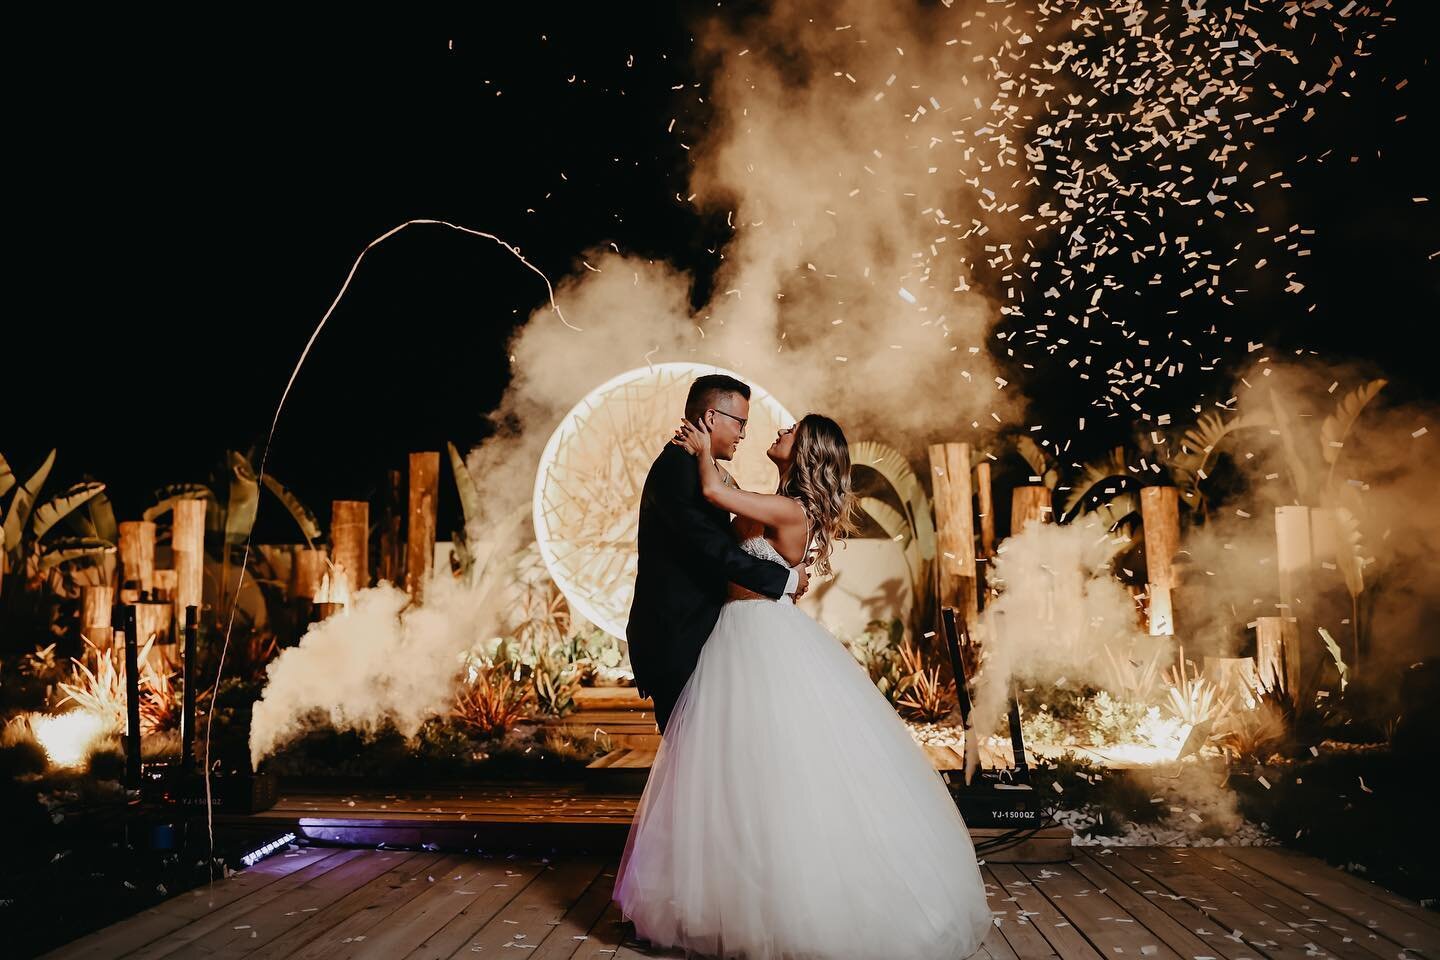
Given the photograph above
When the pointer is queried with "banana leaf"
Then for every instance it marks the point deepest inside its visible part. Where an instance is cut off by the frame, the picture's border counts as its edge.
(167, 496)
(304, 519)
(892, 465)
(465, 484)
(74, 548)
(55, 509)
(1348, 552)
(1337, 426)
(7, 476)
(1039, 461)
(1199, 443)
(1335, 655)
(23, 502)
(1096, 472)
(243, 501)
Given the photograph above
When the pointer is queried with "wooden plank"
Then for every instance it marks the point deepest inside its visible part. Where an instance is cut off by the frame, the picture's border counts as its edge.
(1016, 929)
(1066, 939)
(435, 917)
(263, 922)
(1101, 920)
(1177, 869)
(1318, 881)
(1331, 931)
(1302, 866)
(1217, 941)
(605, 937)
(195, 905)
(219, 927)
(1175, 935)
(527, 918)
(565, 940)
(354, 914)
(996, 947)
(402, 918)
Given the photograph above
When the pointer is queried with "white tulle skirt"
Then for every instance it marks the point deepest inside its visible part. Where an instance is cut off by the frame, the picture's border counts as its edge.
(789, 814)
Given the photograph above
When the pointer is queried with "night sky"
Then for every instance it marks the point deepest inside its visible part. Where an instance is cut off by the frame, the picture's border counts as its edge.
(189, 201)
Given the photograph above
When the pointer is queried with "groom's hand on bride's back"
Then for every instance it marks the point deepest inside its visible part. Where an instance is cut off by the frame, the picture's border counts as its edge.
(803, 583)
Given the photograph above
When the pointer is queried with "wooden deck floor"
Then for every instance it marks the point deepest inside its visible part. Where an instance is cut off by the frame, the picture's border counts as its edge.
(1214, 904)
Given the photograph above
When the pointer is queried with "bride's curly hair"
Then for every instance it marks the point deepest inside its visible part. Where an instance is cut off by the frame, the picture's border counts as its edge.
(819, 475)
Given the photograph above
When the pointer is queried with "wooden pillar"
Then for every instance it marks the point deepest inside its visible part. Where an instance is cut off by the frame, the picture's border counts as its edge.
(1294, 556)
(390, 565)
(1160, 516)
(955, 528)
(188, 544)
(424, 499)
(1277, 653)
(1029, 503)
(987, 509)
(307, 567)
(95, 604)
(137, 553)
(350, 542)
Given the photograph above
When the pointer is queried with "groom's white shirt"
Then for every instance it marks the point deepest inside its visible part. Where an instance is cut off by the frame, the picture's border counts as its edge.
(792, 583)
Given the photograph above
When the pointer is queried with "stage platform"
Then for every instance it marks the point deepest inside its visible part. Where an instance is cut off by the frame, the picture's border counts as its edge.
(520, 816)
(1169, 904)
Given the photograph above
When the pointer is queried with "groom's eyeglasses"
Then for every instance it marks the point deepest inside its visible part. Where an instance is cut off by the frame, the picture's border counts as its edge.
(740, 420)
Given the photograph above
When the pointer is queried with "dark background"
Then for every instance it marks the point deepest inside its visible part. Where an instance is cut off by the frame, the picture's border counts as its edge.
(186, 202)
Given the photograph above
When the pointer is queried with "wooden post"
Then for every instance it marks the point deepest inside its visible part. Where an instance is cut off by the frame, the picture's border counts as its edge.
(137, 553)
(1277, 654)
(1160, 515)
(987, 509)
(188, 544)
(1293, 559)
(420, 542)
(390, 565)
(350, 542)
(95, 604)
(152, 619)
(955, 528)
(1027, 504)
(1235, 675)
(307, 567)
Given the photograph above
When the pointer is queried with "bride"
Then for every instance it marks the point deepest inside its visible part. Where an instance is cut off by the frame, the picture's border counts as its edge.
(789, 813)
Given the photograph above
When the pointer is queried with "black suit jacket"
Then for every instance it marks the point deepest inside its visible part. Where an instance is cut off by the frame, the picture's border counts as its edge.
(687, 556)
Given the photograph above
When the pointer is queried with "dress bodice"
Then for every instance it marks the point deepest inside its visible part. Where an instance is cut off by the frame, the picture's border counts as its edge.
(762, 549)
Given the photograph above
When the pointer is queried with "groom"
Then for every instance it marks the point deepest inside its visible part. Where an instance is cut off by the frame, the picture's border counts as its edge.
(688, 554)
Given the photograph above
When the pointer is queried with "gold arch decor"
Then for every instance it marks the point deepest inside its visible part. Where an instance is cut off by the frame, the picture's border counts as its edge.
(587, 489)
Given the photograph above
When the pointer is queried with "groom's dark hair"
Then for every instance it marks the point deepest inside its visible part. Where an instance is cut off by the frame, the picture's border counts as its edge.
(709, 388)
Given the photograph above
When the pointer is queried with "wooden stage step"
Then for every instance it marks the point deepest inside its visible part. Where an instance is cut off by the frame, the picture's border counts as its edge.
(617, 716)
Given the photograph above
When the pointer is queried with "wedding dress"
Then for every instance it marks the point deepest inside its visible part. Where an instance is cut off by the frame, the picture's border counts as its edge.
(789, 814)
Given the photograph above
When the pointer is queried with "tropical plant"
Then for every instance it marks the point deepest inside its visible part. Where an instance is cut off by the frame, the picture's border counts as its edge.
(912, 526)
(490, 701)
(878, 651)
(1192, 698)
(555, 679)
(920, 694)
(461, 557)
(1132, 680)
(28, 548)
(101, 691)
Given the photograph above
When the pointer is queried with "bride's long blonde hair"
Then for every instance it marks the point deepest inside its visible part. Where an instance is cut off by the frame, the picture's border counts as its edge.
(819, 475)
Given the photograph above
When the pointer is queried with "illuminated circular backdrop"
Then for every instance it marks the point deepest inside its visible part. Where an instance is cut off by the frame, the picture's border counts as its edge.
(587, 490)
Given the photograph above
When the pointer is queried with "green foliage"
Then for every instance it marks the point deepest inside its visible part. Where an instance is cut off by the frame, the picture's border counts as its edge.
(878, 651)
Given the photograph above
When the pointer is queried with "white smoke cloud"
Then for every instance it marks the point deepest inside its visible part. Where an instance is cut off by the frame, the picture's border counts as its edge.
(378, 662)
(1059, 609)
